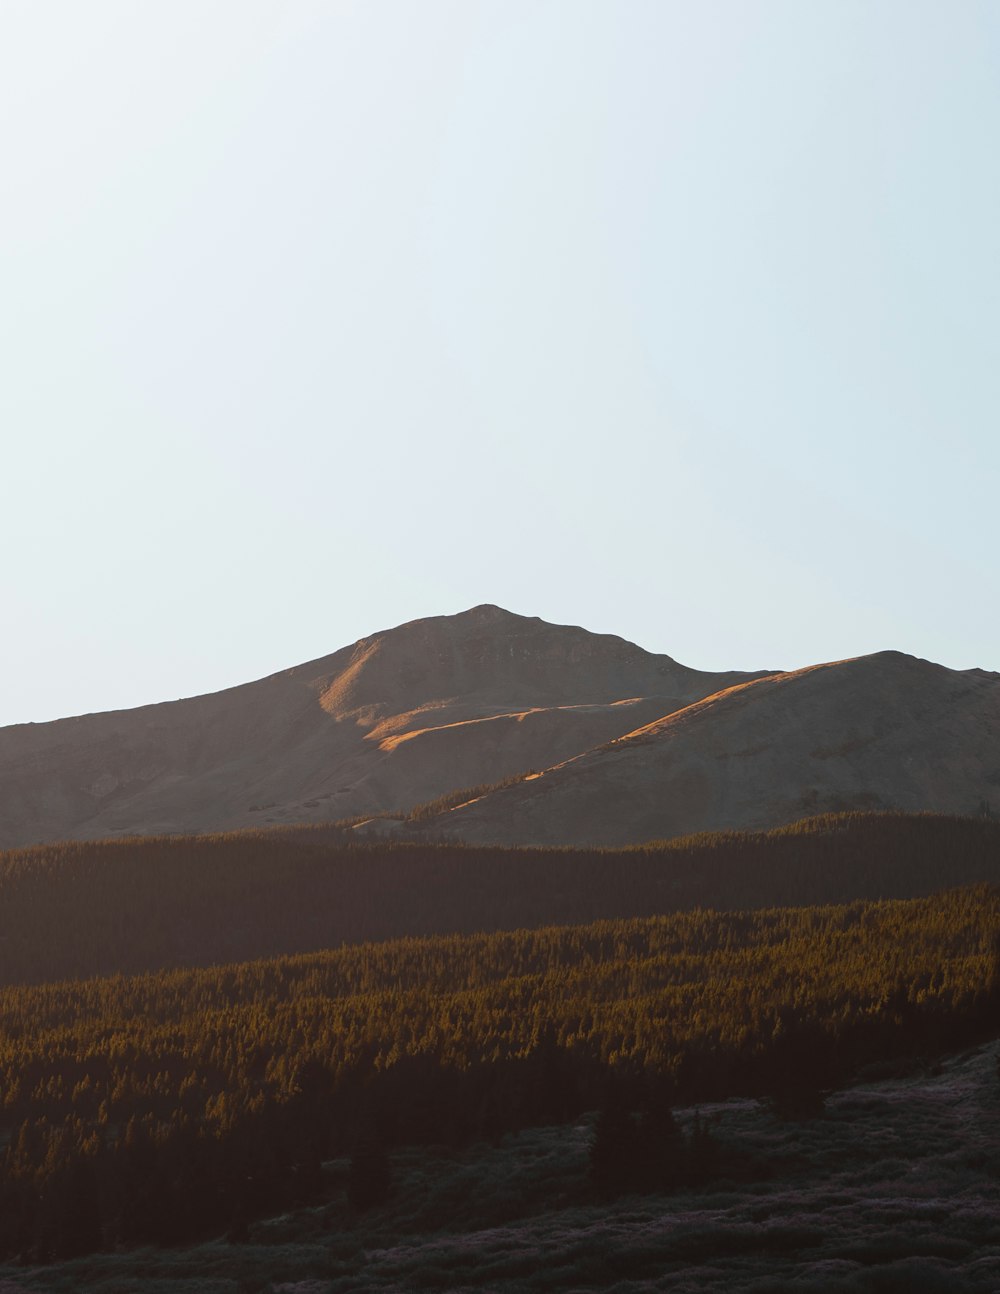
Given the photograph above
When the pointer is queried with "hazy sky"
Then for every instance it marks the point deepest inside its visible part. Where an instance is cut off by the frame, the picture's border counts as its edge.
(674, 320)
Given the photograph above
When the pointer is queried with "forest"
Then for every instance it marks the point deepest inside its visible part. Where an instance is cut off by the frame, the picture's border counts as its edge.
(81, 909)
(166, 1106)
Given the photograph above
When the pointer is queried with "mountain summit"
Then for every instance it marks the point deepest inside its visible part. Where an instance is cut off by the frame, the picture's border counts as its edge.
(622, 745)
(395, 719)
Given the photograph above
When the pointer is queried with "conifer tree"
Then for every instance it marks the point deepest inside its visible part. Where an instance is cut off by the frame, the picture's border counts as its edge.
(661, 1147)
(78, 1225)
(614, 1153)
(369, 1177)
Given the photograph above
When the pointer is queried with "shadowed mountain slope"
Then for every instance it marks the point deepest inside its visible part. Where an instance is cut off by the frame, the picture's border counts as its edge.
(396, 719)
(886, 731)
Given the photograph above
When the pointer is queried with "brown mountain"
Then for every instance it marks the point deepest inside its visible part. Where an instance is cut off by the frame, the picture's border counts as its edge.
(396, 719)
(877, 732)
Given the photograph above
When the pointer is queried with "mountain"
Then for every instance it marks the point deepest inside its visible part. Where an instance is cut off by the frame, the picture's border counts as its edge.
(395, 719)
(877, 732)
(621, 745)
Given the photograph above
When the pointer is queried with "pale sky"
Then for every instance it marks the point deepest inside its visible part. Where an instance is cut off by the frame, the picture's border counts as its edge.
(674, 320)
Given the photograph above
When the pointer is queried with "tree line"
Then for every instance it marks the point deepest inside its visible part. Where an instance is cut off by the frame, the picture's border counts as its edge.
(81, 909)
(166, 1106)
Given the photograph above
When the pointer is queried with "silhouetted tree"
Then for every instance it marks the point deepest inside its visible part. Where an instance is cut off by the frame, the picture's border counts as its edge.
(77, 1212)
(615, 1159)
(702, 1153)
(660, 1144)
(369, 1179)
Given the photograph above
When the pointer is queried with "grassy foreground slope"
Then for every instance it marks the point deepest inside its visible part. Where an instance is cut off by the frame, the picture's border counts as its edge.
(168, 1106)
(97, 908)
(896, 1188)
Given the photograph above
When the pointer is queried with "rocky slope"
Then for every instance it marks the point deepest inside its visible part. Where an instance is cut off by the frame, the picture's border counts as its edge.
(881, 731)
(393, 720)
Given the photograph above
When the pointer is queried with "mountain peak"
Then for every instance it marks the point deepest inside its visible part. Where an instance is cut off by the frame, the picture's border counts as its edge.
(490, 613)
(394, 719)
(484, 615)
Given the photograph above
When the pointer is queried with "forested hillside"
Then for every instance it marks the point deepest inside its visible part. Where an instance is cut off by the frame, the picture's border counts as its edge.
(80, 909)
(164, 1106)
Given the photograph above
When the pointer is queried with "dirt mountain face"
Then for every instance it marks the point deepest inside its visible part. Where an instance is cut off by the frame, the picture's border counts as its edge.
(623, 746)
(886, 731)
(390, 722)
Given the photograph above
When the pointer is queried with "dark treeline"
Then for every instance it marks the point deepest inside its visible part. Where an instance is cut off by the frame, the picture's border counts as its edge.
(173, 1105)
(79, 909)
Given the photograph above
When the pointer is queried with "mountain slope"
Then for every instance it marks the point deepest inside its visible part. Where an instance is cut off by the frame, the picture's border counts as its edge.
(882, 731)
(393, 720)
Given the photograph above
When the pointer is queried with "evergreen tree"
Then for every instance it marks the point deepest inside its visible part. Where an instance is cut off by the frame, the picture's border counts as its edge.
(78, 1219)
(369, 1178)
(615, 1157)
(702, 1153)
(660, 1144)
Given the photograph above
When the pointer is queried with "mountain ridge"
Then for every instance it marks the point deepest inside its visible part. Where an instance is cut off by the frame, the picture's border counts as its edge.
(621, 744)
(889, 730)
(378, 725)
